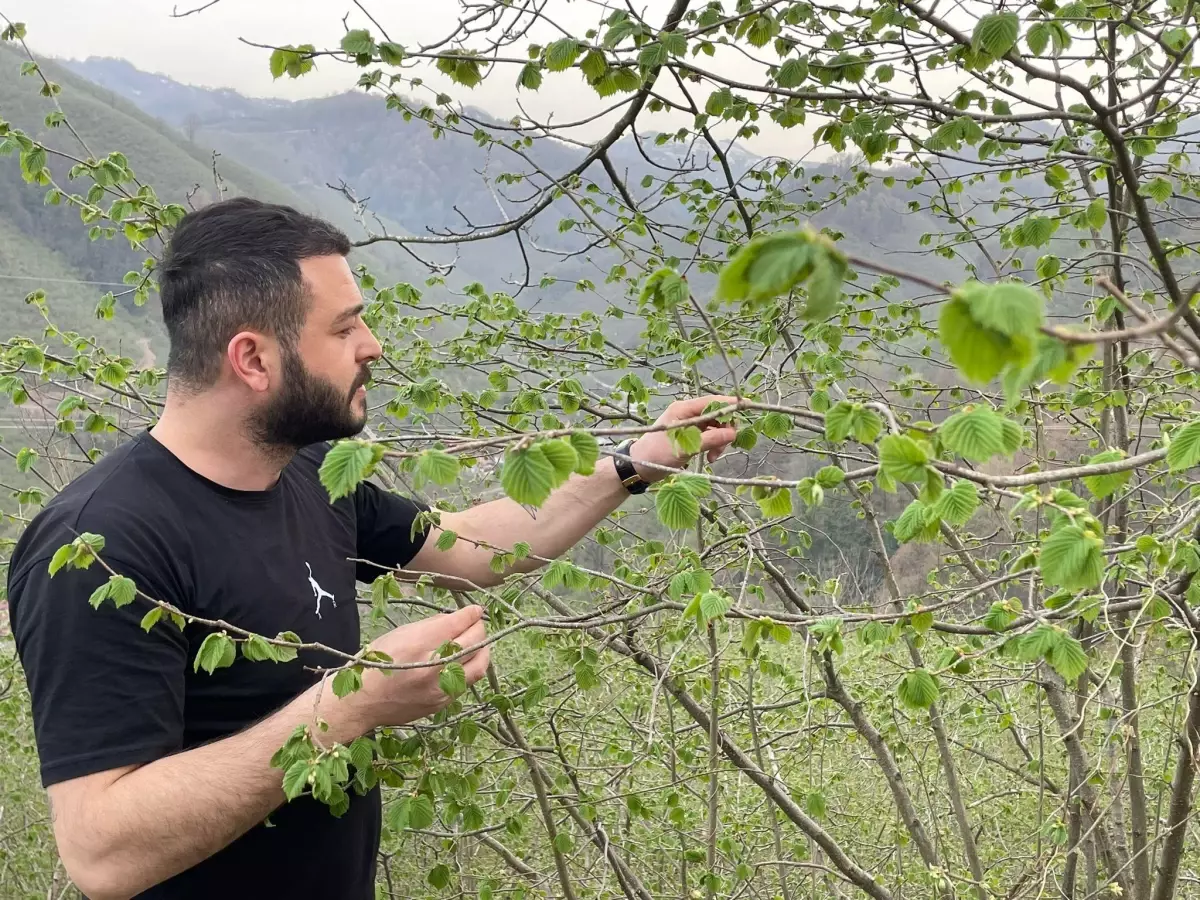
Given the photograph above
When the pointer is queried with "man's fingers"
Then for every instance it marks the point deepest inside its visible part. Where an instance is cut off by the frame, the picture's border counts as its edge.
(476, 666)
(694, 406)
(717, 438)
(473, 635)
(450, 626)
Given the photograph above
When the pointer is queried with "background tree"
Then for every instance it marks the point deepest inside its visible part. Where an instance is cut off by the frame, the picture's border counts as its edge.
(931, 631)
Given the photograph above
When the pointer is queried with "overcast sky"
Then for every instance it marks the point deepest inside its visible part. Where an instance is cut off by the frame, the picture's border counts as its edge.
(206, 49)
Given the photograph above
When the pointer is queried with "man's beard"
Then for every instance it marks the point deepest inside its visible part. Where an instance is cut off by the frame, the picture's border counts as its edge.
(307, 410)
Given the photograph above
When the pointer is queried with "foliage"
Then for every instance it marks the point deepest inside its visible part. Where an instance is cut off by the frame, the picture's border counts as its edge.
(979, 680)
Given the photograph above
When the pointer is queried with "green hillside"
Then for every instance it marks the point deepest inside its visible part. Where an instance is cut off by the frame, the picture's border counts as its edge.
(47, 247)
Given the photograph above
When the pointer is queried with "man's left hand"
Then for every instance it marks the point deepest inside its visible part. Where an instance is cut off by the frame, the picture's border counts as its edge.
(656, 446)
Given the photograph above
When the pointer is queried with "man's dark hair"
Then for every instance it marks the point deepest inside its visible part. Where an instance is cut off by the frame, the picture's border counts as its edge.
(234, 265)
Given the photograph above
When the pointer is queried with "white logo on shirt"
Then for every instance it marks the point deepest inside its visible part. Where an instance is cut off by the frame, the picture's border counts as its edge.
(318, 591)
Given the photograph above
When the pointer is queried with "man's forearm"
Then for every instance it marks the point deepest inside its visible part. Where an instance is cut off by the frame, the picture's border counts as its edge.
(168, 815)
(566, 517)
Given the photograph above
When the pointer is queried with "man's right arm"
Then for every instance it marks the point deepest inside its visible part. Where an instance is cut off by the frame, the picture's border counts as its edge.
(123, 830)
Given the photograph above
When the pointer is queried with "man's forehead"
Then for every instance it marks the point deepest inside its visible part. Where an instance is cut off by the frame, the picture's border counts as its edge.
(331, 285)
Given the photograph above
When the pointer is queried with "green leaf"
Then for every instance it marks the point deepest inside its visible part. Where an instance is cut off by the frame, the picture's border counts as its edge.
(957, 505)
(593, 64)
(902, 458)
(439, 876)
(390, 53)
(346, 464)
(867, 425)
(528, 475)
(587, 451)
(346, 681)
(830, 476)
(216, 652)
(1159, 189)
(1038, 38)
(446, 540)
(530, 77)
(713, 605)
(26, 457)
(996, 33)
(1184, 449)
(295, 779)
(1010, 307)
(452, 679)
(975, 434)
(150, 619)
(687, 441)
(1096, 213)
(437, 466)
(916, 523)
(767, 266)
(978, 352)
(561, 54)
(839, 421)
(1067, 657)
(775, 425)
(792, 73)
(917, 689)
(563, 842)
(358, 42)
(420, 812)
(561, 455)
(1102, 485)
(122, 590)
(1071, 558)
(678, 508)
(776, 502)
(824, 288)
(1034, 231)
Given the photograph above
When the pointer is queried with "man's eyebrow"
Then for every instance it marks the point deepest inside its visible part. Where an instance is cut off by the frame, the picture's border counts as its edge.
(349, 313)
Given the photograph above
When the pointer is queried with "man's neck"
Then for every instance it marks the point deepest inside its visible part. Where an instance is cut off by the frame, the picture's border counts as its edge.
(202, 434)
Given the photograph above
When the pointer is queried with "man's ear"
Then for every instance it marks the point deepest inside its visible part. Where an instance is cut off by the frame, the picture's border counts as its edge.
(254, 359)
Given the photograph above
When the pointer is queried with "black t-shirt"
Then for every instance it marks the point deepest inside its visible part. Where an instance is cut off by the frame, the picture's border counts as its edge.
(105, 693)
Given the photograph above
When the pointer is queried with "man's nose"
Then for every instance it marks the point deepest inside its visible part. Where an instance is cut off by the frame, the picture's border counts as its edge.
(372, 350)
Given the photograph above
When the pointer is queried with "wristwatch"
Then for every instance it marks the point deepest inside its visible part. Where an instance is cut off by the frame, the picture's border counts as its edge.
(634, 483)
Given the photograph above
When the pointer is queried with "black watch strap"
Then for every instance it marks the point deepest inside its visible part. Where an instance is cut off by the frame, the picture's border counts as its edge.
(626, 472)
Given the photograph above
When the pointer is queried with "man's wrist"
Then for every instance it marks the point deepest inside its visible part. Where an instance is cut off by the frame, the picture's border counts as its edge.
(631, 478)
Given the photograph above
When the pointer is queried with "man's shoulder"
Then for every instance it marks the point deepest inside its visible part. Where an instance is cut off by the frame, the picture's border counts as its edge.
(118, 494)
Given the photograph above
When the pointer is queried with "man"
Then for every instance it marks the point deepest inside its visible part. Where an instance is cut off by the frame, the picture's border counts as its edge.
(158, 775)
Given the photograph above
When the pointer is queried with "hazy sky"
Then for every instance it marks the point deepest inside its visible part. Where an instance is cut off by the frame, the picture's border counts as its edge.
(206, 49)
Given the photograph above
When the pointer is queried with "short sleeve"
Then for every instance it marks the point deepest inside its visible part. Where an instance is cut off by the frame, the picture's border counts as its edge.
(385, 529)
(104, 692)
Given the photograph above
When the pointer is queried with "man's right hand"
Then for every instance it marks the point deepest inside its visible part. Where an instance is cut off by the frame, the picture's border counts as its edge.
(400, 696)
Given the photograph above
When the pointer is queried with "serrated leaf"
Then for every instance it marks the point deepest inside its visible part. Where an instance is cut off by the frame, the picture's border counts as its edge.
(217, 651)
(911, 522)
(902, 458)
(1184, 449)
(121, 590)
(1067, 657)
(957, 505)
(978, 352)
(1071, 558)
(687, 441)
(1011, 308)
(1101, 486)
(593, 64)
(437, 466)
(917, 689)
(1034, 231)
(446, 540)
(1159, 189)
(765, 267)
(775, 425)
(839, 421)
(996, 33)
(561, 455)
(677, 506)
(830, 476)
(713, 605)
(587, 451)
(452, 679)
(150, 619)
(530, 77)
(561, 54)
(974, 434)
(420, 812)
(346, 464)
(295, 779)
(528, 475)
(1096, 213)
(358, 41)
(777, 502)
(346, 681)
(439, 876)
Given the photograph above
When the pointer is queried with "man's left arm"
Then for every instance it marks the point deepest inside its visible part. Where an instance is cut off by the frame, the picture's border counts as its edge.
(568, 514)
